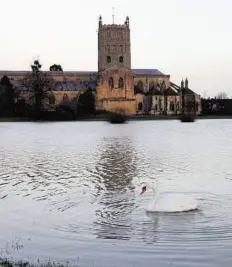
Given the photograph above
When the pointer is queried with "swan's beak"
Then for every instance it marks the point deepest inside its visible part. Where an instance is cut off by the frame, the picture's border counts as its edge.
(143, 190)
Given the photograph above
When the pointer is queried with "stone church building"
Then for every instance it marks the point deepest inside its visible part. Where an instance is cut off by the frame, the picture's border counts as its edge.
(116, 84)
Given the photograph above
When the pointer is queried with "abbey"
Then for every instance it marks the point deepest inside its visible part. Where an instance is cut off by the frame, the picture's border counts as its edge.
(116, 84)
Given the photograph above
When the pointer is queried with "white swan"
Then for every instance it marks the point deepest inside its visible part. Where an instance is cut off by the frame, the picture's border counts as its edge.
(169, 203)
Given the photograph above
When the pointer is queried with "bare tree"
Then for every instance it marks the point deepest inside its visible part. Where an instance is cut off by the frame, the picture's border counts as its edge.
(222, 95)
(39, 84)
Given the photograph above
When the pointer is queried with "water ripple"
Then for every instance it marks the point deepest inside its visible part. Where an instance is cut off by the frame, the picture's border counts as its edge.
(67, 193)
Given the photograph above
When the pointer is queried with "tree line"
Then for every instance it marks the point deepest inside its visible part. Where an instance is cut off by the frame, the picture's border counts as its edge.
(216, 106)
(37, 84)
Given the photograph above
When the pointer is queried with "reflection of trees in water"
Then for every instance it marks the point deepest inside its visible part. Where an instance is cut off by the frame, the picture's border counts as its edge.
(116, 169)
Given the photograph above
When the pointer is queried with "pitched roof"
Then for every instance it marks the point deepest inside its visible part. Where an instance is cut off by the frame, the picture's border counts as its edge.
(147, 72)
(170, 92)
(23, 72)
(178, 88)
(188, 91)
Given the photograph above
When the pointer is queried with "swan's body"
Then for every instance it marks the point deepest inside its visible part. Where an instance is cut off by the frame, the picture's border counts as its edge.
(169, 203)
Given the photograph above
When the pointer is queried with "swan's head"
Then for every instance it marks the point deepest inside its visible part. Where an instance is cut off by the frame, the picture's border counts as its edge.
(149, 185)
(144, 189)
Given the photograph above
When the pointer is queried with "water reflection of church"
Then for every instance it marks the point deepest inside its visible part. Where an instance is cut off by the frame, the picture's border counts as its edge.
(115, 83)
(116, 169)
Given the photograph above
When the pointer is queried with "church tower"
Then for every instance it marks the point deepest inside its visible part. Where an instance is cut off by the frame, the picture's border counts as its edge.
(114, 48)
(115, 89)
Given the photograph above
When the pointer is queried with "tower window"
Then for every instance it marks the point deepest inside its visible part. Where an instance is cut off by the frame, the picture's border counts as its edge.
(108, 59)
(120, 83)
(121, 59)
(111, 83)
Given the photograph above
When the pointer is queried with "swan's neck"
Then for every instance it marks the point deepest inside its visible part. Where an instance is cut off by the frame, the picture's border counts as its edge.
(155, 192)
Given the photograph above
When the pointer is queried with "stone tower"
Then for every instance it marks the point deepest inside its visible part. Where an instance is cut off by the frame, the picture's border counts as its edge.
(115, 89)
(114, 48)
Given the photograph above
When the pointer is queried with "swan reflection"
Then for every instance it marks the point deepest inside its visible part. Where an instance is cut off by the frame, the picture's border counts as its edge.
(149, 230)
(163, 226)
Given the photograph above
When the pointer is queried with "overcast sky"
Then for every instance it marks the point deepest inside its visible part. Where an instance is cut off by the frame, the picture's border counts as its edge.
(183, 38)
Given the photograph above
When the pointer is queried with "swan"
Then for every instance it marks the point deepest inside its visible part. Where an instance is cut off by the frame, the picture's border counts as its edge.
(168, 203)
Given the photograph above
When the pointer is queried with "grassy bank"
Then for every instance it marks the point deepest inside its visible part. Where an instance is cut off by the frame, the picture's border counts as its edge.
(11, 263)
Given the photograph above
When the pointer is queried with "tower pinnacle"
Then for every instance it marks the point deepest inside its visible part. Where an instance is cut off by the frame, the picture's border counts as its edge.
(113, 15)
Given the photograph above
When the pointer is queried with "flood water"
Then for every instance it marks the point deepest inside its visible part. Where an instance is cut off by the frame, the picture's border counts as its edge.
(70, 191)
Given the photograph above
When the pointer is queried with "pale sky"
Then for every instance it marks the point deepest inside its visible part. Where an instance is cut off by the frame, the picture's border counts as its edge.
(183, 38)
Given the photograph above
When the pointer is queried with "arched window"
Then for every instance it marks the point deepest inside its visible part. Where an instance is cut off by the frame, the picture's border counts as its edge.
(172, 106)
(120, 83)
(111, 83)
(163, 85)
(140, 106)
(65, 97)
(151, 85)
(108, 59)
(121, 59)
(160, 104)
(140, 85)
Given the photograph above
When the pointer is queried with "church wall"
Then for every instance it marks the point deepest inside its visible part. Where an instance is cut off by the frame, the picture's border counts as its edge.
(73, 77)
(15, 77)
(139, 103)
(128, 106)
(61, 96)
(173, 105)
(104, 90)
(157, 105)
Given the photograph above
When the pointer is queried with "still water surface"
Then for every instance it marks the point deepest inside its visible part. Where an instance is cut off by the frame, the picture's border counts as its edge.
(70, 192)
